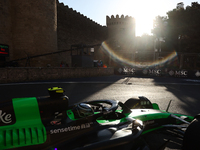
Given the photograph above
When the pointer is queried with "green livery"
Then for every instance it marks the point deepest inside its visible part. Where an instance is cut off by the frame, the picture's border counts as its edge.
(28, 128)
(49, 122)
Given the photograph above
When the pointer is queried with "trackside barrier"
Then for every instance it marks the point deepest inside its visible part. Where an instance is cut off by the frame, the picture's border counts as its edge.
(17, 74)
(158, 72)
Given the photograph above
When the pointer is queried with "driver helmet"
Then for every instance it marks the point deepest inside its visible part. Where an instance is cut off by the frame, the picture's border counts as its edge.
(84, 110)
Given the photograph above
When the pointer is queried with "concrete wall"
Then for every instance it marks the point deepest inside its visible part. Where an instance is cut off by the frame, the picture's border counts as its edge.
(9, 75)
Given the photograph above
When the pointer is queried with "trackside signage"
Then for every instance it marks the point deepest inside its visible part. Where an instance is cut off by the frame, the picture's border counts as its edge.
(156, 72)
(159, 72)
(4, 50)
(178, 73)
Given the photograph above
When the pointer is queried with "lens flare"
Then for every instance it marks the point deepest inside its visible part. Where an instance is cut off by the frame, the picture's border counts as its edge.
(124, 61)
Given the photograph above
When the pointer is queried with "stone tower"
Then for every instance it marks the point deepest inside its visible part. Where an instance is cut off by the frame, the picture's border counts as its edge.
(120, 29)
(31, 29)
(121, 37)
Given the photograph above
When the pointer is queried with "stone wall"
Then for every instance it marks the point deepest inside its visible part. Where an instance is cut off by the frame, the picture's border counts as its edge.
(29, 30)
(10, 75)
(38, 27)
(75, 28)
(5, 22)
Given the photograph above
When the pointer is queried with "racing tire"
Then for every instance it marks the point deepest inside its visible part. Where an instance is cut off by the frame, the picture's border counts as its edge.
(191, 140)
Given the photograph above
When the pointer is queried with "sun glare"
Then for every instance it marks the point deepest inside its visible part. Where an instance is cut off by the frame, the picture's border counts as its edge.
(143, 26)
(121, 60)
(144, 13)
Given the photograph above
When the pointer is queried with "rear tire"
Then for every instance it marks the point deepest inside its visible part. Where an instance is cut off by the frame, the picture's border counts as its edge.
(191, 140)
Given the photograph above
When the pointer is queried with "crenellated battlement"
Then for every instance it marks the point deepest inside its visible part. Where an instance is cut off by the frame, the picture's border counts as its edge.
(75, 13)
(119, 20)
(120, 27)
(75, 28)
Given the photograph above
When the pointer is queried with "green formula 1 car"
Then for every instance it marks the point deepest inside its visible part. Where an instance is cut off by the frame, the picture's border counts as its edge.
(50, 123)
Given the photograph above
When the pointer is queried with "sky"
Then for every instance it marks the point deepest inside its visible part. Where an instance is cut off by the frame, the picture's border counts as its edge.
(144, 11)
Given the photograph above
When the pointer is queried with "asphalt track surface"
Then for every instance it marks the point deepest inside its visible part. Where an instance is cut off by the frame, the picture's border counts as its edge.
(184, 93)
